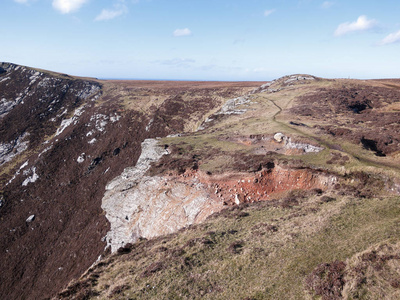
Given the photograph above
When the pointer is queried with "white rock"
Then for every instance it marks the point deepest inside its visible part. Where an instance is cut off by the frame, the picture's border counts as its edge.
(237, 200)
(4, 79)
(74, 119)
(149, 125)
(115, 118)
(229, 108)
(64, 124)
(303, 146)
(151, 152)
(30, 219)
(279, 137)
(81, 158)
(31, 178)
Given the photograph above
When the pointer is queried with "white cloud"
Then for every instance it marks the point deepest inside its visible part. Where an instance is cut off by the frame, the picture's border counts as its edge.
(391, 38)
(362, 24)
(268, 12)
(327, 4)
(21, 1)
(109, 14)
(68, 6)
(182, 32)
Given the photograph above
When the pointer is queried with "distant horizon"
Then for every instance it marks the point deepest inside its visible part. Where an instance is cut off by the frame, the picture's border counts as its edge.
(156, 79)
(205, 80)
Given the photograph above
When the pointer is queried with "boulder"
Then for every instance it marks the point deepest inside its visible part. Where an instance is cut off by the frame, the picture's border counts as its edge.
(279, 137)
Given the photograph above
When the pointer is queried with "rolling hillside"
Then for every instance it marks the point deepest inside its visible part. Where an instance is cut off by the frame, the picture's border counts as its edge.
(286, 189)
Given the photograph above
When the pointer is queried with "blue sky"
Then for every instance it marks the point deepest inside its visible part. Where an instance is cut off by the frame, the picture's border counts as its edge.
(203, 39)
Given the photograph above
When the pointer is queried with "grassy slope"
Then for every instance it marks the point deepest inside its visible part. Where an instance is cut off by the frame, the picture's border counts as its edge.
(263, 250)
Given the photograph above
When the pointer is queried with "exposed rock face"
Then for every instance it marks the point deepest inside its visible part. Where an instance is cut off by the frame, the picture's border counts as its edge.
(264, 185)
(151, 152)
(155, 206)
(9, 150)
(298, 78)
(30, 219)
(304, 147)
(142, 206)
(286, 81)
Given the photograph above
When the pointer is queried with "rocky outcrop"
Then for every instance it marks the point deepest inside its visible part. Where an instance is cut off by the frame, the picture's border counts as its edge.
(9, 150)
(155, 206)
(289, 144)
(137, 205)
(231, 107)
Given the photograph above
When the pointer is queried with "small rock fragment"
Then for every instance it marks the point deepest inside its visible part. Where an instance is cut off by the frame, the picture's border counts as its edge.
(30, 219)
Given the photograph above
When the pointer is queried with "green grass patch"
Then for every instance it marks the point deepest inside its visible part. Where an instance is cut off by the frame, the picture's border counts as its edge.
(260, 251)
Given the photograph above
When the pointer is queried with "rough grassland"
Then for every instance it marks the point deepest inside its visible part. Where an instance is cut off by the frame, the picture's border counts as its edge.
(336, 238)
(261, 251)
(342, 243)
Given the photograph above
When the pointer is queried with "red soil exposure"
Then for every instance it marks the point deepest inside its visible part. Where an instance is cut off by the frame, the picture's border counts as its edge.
(237, 188)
